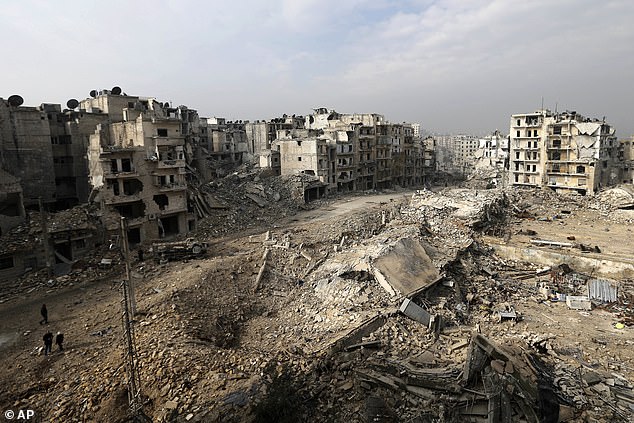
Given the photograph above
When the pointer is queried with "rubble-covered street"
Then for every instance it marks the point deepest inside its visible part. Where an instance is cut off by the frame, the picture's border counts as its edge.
(414, 306)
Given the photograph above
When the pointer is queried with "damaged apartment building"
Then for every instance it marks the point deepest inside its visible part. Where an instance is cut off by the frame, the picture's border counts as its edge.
(347, 152)
(43, 168)
(221, 147)
(564, 151)
(455, 154)
(138, 166)
(493, 151)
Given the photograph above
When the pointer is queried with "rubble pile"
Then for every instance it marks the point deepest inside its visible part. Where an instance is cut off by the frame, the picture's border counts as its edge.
(396, 312)
(250, 199)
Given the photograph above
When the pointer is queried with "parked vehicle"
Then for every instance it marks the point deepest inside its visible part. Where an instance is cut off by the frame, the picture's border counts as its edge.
(178, 250)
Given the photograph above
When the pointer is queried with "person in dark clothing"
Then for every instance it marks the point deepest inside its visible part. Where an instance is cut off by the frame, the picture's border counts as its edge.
(44, 313)
(59, 340)
(48, 342)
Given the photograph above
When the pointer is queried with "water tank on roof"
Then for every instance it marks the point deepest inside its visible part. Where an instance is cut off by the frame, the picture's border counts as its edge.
(72, 103)
(116, 90)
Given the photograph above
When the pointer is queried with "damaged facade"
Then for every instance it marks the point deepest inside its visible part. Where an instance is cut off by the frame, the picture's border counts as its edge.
(626, 156)
(562, 151)
(493, 151)
(222, 147)
(25, 151)
(138, 167)
(455, 154)
(350, 152)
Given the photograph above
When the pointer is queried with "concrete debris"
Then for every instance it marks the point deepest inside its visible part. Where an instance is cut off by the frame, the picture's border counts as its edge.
(330, 312)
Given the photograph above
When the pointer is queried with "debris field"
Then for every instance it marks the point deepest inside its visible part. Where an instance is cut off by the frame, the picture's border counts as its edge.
(455, 305)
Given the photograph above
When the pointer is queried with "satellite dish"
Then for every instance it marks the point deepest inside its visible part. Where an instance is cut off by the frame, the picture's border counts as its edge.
(15, 100)
(72, 103)
(115, 91)
(93, 93)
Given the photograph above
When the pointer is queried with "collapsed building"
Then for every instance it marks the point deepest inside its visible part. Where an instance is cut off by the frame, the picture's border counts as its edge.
(564, 151)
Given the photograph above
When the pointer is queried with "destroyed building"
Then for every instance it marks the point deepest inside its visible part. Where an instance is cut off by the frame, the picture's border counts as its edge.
(493, 151)
(455, 154)
(350, 152)
(626, 156)
(70, 137)
(260, 134)
(25, 150)
(564, 151)
(11, 203)
(222, 146)
(138, 167)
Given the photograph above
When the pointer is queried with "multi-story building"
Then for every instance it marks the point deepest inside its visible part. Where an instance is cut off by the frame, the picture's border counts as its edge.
(365, 151)
(70, 137)
(626, 156)
(302, 151)
(455, 154)
(138, 167)
(222, 146)
(416, 129)
(26, 152)
(428, 164)
(12, 211)
(366, 171)
(261, 134)
(493, 151)
(562, 151)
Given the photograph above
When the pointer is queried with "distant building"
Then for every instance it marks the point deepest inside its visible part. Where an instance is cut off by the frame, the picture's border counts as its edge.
(455, 154)
(350, 152)
(223, 146)
(416, 128)
(562, 151)
(493, 151)
(261, 134)
(626, 156)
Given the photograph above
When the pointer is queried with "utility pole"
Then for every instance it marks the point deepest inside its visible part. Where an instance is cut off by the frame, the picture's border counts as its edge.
(128, 306)
(45, 240)
(125, 250)
(135, 401)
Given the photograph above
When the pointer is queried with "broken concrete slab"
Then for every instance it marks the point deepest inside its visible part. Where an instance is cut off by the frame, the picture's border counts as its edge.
(578, 302)
(416, 312)
(407, 267)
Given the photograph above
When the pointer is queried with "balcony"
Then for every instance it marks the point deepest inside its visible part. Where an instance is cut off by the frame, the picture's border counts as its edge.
(169, 164)
(175, 186)
(109, 174)
(169, 141)
(178, 208)
(552, 146)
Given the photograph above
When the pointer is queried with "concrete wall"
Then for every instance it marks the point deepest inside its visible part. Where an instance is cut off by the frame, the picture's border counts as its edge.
(26, 153)
(594, 264)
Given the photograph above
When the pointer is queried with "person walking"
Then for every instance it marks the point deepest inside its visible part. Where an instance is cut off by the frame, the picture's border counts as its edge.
(48, 342)
(44, 313)
(59, 340)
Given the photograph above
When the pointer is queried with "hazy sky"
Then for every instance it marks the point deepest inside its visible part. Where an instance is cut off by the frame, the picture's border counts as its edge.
(453, 66)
